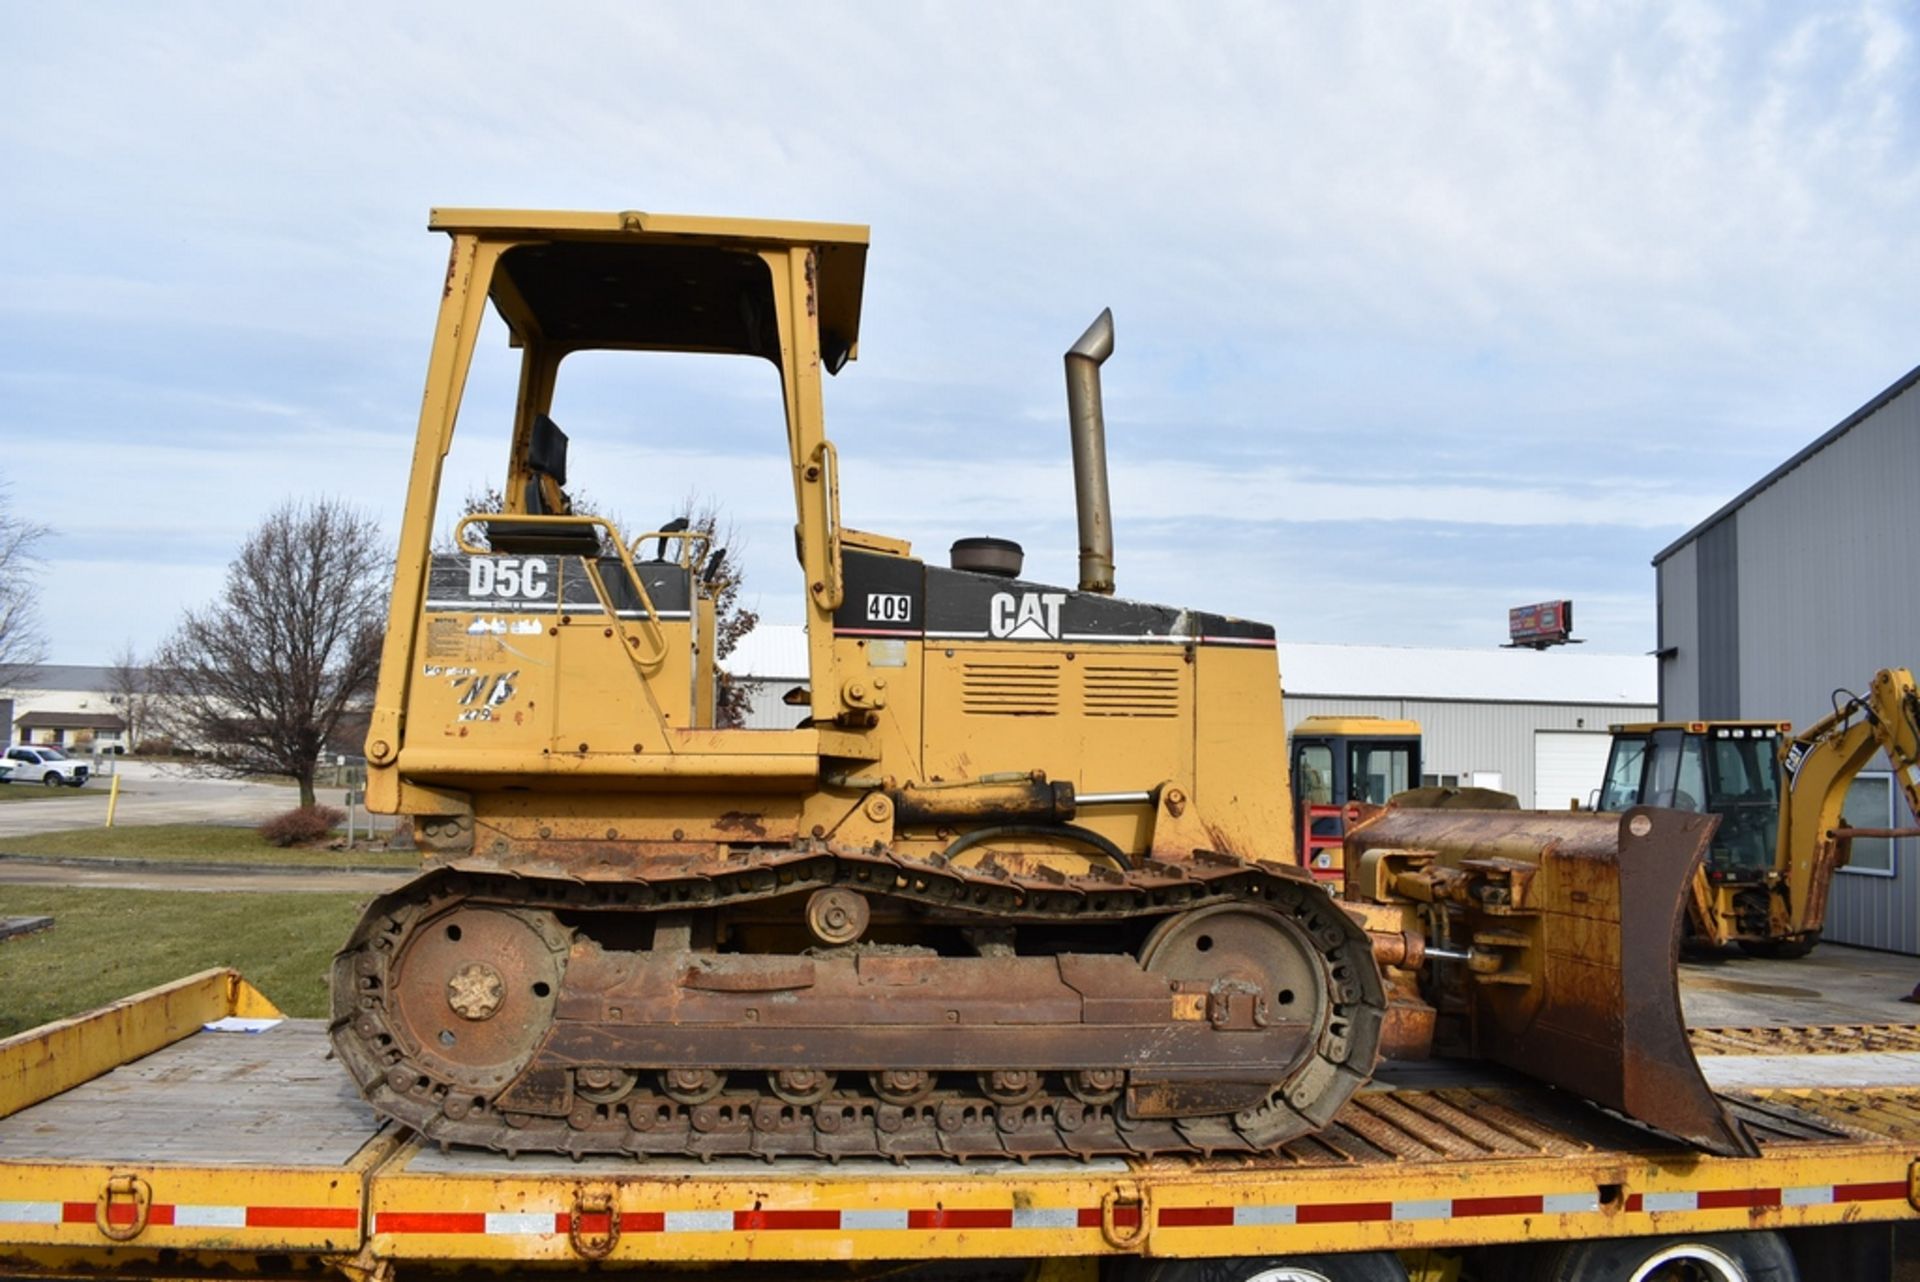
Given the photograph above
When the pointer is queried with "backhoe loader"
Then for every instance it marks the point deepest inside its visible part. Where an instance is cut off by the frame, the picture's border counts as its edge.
(1021, 885)
(1779, 797)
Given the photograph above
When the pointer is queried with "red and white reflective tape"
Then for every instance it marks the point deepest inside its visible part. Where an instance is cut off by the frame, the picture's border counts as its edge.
(930, 1218)
(185, 1215)
(1768, 1198)
(1406, 1211)
(973, 1219)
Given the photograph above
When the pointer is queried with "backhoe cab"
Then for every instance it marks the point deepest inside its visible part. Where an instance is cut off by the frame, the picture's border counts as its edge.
(1338, 764)
(1778, 797)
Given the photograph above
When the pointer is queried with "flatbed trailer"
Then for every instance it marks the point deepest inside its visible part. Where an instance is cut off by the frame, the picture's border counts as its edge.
(138, 1141)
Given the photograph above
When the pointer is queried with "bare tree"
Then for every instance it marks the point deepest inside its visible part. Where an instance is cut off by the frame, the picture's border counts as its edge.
(733, 620)
(21, 643)
(268, 674)
(127, 691)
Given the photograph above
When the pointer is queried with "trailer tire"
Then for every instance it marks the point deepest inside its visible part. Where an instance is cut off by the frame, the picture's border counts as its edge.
(1367, 1266)
(1715, 1257)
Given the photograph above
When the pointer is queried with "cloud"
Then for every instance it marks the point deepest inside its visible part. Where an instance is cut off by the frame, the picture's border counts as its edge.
(1393, 284)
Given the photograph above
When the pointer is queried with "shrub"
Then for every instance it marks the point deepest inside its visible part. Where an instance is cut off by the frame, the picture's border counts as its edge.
(301, 824)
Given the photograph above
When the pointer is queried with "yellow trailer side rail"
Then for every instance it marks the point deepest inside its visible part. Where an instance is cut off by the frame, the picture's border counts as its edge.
(156, 1201)
(292, 1165)
(42, 1062)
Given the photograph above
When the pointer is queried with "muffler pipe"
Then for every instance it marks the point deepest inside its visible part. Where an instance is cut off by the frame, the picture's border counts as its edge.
(1087, 424)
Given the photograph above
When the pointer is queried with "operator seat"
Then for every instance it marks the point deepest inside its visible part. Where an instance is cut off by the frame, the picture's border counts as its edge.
(547, 465)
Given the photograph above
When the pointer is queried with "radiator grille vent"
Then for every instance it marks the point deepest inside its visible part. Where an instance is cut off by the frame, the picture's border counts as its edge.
(1010, 689)
(1132, 690)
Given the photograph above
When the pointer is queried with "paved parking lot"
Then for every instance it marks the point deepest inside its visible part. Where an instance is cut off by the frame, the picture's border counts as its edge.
(157, 794)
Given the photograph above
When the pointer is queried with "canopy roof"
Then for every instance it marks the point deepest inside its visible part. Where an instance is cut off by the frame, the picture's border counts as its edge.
(661, 281)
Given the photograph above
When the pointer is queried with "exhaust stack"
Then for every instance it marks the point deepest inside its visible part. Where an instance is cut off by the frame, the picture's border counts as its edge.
(1087, 424)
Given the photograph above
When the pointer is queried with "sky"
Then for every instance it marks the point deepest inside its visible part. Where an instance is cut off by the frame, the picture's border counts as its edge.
(1423, 311)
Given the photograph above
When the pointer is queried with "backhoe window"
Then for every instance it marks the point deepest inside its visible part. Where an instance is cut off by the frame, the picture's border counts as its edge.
(1870, 805)
(1376, 773)
(1690, 786)
(1663, 768)
(1625, 765)
(1743, 788)
(1315, 767)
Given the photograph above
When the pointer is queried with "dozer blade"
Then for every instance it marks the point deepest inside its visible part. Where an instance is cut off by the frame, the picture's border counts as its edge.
(1573, 924)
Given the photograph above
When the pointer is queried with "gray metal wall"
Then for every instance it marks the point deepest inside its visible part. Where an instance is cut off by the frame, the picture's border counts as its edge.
(1456, 737)
(1678, 583)
(1817, 594)
(1717, 594)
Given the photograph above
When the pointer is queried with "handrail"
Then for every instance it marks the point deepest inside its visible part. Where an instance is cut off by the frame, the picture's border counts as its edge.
(656, 637)
(827, 459)
(686, 561)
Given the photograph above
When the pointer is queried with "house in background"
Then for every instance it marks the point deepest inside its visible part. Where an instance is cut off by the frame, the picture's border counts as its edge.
(74, 731)
(68, 705)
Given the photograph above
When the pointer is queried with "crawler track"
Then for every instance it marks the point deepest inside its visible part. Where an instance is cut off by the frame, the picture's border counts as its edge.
(1200, 1006)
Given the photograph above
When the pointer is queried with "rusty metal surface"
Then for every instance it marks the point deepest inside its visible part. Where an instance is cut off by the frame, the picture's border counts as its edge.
(1857, 1114)
(1250, 1014)
(1573, 921)
(1807, 1039)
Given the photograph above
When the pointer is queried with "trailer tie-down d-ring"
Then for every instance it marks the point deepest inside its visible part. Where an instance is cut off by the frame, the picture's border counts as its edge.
(120, 1212)
(1123, 1217)
(593, 1224)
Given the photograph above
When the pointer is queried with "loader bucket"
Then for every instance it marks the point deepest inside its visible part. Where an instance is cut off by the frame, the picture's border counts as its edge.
(1573, 921)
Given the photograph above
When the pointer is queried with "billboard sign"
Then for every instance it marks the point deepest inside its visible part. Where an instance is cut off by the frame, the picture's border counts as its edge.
(1540, 625)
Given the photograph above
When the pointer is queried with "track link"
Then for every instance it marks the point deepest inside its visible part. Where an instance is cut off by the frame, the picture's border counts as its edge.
(509, 1086)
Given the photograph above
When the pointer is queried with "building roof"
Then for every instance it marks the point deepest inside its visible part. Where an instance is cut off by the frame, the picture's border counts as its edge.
(776, 651)
(70, 721)
(1493, 675)
(1819, 443)
(61, 676)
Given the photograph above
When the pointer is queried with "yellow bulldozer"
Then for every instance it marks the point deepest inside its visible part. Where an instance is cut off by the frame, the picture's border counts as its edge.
(1022, 884)
(1778, 796)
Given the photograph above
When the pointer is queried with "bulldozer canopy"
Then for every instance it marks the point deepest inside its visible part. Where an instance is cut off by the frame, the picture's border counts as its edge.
(661, 282)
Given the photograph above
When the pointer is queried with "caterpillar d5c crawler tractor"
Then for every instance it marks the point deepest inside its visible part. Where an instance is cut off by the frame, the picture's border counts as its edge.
(1021, 884)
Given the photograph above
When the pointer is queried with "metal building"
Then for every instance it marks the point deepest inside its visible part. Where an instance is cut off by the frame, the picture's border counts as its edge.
(1532, 723)
(1801, 585)
(1523, 721)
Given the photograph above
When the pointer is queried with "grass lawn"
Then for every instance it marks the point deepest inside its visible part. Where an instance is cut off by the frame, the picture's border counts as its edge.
(106, 944)
(194, 843)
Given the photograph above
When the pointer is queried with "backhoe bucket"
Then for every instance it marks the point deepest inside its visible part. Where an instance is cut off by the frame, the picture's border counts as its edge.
(1572, 922)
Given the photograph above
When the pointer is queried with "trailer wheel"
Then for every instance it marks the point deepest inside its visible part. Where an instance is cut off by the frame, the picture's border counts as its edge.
(1369, 1266)
(1697, 1257)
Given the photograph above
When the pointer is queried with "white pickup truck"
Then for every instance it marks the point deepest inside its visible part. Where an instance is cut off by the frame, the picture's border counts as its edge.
(42, 763)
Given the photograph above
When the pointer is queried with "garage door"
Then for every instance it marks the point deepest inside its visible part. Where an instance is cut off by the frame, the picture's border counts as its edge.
(1567, 764)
